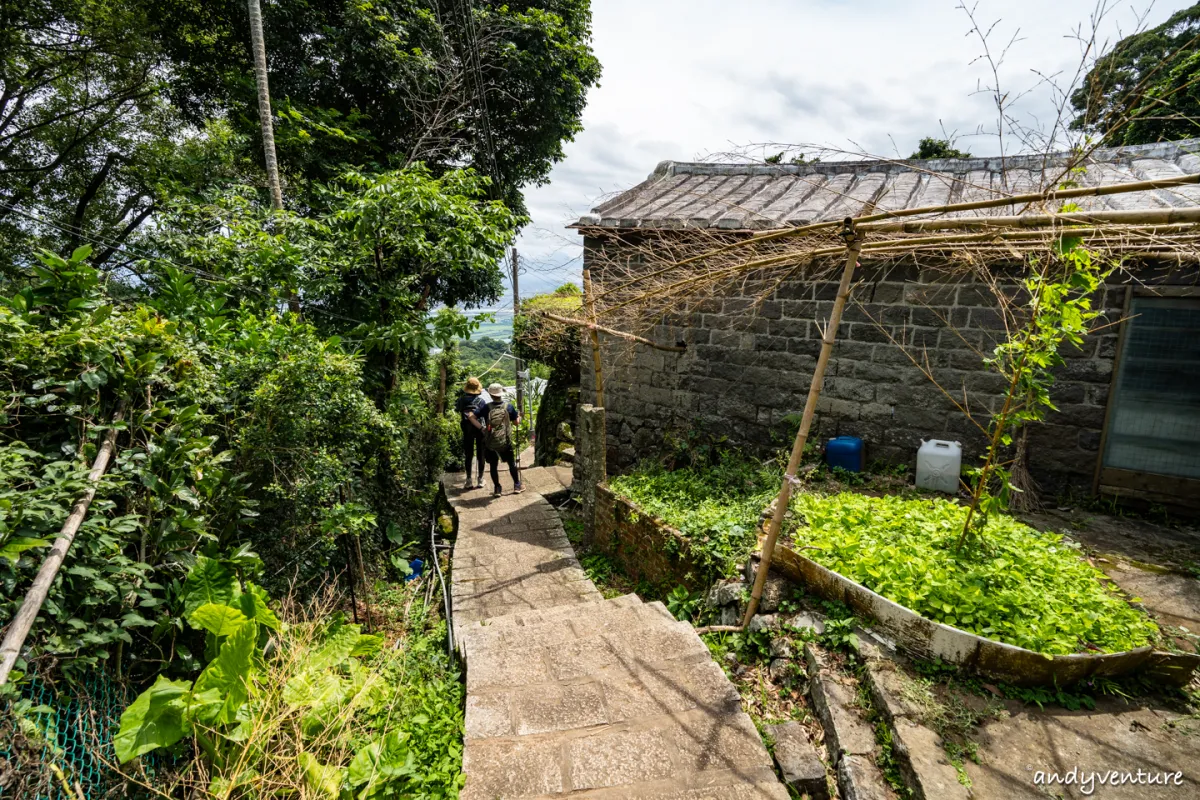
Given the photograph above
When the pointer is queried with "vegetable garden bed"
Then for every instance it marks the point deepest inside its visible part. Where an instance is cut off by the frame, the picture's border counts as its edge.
(1027, 608)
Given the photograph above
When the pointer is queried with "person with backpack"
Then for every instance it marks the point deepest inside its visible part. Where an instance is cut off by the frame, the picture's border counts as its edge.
(499, 421)
(469, 400)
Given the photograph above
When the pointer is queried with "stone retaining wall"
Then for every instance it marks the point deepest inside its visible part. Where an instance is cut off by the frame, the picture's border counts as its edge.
(746, 371)
(646, 548)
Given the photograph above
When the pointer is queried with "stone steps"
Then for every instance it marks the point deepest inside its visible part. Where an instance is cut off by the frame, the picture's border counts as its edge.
(849, 738)
(571, 695)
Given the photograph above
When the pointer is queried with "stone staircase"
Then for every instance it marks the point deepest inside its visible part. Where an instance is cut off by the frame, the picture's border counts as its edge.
(572, 695)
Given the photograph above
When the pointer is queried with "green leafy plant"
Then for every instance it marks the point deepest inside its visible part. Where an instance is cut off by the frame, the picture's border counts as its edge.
(336, 726)
(715, 506)
(1058, 312)
(1032, 589)
(684, 605)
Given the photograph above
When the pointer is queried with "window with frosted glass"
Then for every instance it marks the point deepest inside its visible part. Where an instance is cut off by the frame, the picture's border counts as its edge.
(1154, 421)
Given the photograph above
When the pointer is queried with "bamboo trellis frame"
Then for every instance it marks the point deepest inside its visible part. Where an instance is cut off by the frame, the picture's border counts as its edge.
(1156, 233)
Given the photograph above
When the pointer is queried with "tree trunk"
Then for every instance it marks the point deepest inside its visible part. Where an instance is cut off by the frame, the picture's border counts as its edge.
(264, 103)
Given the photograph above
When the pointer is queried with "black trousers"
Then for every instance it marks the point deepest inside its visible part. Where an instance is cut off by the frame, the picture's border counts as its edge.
(494, 458)
(472, 446)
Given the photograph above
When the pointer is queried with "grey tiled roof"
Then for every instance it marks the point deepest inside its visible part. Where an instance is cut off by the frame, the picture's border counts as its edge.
(757, 196)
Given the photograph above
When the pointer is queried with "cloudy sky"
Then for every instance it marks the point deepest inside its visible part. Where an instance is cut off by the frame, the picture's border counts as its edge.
(691, 79)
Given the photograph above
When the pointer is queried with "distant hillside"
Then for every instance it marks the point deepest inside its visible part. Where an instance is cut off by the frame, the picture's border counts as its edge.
(500, 329)
(478, 354)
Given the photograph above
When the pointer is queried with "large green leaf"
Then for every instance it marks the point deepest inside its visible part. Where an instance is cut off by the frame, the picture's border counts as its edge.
(322, 779)
(230, 672)
(337, 648)
(155, 719)
(221, 620)
(208, 582)
(253, 603)
(367, 645)
(382, 760)
(19, 544)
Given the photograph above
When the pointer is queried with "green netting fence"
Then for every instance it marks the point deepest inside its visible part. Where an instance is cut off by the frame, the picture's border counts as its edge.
(76, 728)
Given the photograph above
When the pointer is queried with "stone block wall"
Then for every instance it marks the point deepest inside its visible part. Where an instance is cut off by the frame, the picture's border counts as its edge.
(645, 548)
(746, 373)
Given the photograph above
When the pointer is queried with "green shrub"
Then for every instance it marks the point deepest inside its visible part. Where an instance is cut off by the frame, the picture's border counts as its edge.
(716, 508)
(1028, 589)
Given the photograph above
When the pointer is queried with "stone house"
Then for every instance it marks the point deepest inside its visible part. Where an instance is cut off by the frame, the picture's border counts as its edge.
(1129, 399)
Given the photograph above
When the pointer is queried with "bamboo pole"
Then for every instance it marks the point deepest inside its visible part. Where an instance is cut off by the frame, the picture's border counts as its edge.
(21, 624)
(1051, 195)
(670, 348)
(853, 245)
(590, 300)
(1158, 216)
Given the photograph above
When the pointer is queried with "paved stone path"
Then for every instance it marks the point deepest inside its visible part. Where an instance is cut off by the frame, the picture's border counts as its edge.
(572, 695)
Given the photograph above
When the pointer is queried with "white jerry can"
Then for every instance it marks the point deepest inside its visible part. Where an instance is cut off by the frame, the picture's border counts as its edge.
(938, 465)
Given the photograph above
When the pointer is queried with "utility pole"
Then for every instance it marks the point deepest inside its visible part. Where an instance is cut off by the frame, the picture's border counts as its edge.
(517, 363)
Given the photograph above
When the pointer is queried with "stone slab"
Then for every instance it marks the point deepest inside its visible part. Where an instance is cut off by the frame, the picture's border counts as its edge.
(860, 779)
(801, 766)
(923, 760)
(846, 732)
(887, 685)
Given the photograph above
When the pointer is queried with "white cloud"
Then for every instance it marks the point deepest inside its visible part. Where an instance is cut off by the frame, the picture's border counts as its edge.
(685, 79)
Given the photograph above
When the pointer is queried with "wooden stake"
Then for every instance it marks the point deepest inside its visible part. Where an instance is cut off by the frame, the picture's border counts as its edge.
(670, 348)
(590, 301)
(21, 624)
(853, 245)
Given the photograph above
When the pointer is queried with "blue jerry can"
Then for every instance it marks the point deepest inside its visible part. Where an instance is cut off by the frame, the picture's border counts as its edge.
(845, 452)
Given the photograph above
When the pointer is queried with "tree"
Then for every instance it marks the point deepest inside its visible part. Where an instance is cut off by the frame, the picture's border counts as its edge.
(76, 89)
(378, 86)
(391, 250)
(931, 147)
(1146, 89)
(541, 339)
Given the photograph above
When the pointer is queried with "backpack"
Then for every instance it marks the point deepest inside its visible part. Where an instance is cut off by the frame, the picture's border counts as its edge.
(499, 427)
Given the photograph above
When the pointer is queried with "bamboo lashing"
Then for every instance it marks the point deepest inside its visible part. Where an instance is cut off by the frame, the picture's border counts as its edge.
(883, 219)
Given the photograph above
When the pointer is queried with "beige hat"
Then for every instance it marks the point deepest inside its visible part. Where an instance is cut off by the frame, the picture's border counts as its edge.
(496, 390)
(473, 386)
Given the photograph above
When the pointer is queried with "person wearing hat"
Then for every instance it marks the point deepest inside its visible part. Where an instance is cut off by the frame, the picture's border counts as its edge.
(499, 421)
(470, 399)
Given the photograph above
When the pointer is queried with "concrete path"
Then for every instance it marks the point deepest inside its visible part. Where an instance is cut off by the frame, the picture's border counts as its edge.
(571, 695)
